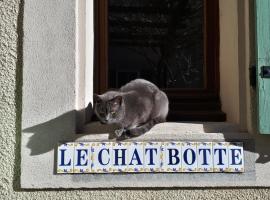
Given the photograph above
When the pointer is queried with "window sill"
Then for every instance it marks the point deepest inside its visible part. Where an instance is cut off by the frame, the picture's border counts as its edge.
(170, 131)
(38, 170)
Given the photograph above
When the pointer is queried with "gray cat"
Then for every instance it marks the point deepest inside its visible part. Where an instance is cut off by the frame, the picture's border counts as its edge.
(136, 107)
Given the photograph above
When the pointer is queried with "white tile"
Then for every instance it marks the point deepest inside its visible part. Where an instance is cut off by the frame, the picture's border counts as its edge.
(236, 157)
(204, 157)
(220, 152)
(82, 157)
(171, 159)
(135, 157)
(189, 159)
(101, 157)
(65, 158)
(152, 157)
(119, 157)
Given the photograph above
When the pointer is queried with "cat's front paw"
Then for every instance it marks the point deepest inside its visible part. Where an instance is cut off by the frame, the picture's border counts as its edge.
(119, 132)
(123, 137)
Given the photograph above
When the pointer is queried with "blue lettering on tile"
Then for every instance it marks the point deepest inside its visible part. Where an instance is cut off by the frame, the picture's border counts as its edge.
(100, 160)
(173, 157)
(220, 157)
(205, 152)
(193, 156)
(135, 157)
(62, 163)
(122, 156)
(235, 155)
(82, 153)
(151, 155)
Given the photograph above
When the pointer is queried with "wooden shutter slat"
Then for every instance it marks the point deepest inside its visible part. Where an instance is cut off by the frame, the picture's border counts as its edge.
(262, 8)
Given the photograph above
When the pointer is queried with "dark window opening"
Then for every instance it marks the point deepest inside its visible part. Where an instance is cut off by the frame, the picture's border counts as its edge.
(158, 40)
(172, 43)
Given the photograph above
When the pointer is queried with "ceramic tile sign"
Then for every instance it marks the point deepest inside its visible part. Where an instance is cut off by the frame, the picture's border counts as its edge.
(170, 157)
(81, 157)
(100, 157)
(189, 156)
(150, 157)
(135, 156)
(65, 158)
(236, 157)
(204, 160)
(220, 156)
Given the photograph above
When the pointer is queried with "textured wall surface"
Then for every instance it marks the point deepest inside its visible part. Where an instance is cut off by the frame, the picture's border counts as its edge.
(10, 119)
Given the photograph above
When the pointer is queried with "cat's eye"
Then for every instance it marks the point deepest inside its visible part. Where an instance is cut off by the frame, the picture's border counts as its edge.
(113, 114)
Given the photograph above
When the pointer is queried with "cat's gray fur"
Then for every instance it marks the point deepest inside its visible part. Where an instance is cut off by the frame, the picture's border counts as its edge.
(136, 107)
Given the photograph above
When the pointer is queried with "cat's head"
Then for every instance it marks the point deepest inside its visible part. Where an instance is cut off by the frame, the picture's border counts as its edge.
(108, 108)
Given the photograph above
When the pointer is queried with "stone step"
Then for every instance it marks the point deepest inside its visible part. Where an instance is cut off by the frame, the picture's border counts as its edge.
(192, 131)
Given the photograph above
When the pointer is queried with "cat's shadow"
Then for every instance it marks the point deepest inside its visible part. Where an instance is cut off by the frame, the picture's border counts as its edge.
(46, 136)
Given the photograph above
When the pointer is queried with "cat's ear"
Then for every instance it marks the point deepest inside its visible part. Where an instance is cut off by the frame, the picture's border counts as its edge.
(117, 100)
(97, 99)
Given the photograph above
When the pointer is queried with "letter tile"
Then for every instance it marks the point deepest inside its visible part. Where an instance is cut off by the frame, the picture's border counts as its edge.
(119, 157)
(65, 158)
(171, 160)
(189, 157)
(101, 157)
(205, 157)
(220, 157)
(236, 157)
(82, 157)
(152, 160)
(135, 157)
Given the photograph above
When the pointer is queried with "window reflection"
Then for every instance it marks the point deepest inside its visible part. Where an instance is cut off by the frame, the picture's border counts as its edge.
(158, 40)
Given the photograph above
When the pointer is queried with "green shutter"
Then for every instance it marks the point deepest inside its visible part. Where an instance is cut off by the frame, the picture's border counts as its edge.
(263, 59)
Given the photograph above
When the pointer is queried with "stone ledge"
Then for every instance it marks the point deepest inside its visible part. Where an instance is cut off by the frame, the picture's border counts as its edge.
(214, 131)
(38, 169)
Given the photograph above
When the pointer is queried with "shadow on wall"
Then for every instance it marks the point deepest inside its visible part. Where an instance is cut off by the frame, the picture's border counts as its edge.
(262, 148)
(257, 143)
(46, 136)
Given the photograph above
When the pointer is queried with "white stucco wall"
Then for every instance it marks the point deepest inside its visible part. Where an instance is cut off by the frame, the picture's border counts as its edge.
(10, 132)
